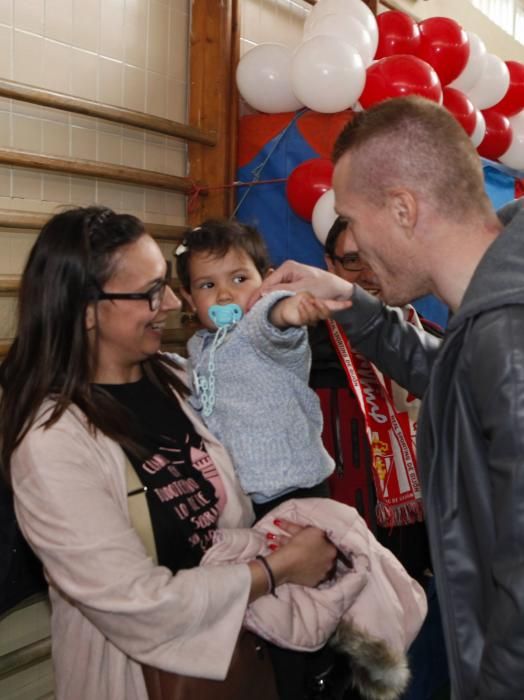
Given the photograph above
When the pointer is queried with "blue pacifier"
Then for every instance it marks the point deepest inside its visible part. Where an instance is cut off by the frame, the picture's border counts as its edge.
(225, 315)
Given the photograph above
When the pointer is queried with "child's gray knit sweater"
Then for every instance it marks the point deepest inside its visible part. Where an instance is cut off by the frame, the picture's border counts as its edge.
(265, 413)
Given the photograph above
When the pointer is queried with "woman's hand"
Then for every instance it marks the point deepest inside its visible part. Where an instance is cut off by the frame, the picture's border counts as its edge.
(297, 277)
(303, 555)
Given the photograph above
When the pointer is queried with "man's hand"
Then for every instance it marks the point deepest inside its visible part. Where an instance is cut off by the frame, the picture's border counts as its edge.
(296, 277)
(302, 309)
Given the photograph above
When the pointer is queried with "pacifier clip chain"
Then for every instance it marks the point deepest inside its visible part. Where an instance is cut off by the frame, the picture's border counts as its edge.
(224, 317)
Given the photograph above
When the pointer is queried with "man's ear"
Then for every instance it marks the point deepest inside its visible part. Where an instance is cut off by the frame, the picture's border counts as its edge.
(404, 209)
(330, 264)
(90, 317)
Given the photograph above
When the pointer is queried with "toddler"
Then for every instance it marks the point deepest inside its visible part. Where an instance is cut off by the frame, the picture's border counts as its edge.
(250, 367)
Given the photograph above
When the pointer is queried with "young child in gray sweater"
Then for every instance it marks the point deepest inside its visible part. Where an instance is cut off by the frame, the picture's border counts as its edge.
(250, 367)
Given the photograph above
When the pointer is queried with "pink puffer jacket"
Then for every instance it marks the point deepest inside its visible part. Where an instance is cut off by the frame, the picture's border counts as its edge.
(371, 609)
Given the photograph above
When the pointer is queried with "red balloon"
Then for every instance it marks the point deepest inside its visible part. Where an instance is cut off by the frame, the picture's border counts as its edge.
(397, 76)
(445, 46)
(498, 135)
(397, 33)
(513, 100)
(461, 108)
(307, 183)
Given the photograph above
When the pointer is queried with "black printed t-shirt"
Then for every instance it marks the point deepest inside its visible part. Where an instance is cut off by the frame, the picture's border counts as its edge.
(182, 501)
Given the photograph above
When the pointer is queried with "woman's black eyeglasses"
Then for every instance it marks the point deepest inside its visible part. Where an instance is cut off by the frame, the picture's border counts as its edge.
(351, 262)
(154, 296)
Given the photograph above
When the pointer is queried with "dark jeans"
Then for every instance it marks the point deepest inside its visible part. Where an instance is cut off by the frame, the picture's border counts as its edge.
(427, 655)
(319, 491)
(317, 675)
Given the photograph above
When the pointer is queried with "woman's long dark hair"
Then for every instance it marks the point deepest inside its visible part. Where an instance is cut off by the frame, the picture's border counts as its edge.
(51, 357)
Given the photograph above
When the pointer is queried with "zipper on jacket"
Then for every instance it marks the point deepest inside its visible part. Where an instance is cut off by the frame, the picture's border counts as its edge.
(446, 608)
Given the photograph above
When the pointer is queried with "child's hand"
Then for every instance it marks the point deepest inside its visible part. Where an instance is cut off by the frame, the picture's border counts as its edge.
(303, 309)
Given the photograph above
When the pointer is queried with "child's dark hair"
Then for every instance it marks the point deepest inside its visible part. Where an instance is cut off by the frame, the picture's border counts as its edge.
(217, 237)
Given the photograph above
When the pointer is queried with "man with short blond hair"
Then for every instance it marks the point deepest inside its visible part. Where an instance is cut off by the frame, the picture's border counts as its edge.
(409, 185)
(358, 407)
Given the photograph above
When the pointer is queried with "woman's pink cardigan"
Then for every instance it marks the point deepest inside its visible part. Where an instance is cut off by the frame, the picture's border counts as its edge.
(112, 608)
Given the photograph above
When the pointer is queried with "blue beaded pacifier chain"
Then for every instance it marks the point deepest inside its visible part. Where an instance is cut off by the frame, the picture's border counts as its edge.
(224, 318)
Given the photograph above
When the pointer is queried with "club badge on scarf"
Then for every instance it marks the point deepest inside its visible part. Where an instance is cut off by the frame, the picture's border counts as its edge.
(390, 415)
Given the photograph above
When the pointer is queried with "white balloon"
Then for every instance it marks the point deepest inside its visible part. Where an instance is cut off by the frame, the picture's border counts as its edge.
(473, 68)
(324, 215)
(492, 84)
(347, 28)
(327, 74)
(354, 8)
(479, 131)
(514, 156)
(264, 79)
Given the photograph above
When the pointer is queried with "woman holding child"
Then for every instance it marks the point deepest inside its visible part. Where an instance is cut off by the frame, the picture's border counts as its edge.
(86, 392)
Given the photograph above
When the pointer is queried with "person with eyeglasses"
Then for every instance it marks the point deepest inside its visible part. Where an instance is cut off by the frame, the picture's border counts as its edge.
(343, 260)
(153, 296)
(410, 184)
(89, 403)
(360, 405)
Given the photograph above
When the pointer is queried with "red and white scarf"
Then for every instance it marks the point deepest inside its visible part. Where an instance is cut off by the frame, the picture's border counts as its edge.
(390, 414)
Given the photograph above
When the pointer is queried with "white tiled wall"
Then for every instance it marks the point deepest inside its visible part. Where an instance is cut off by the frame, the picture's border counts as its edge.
(275, 21)
(128, 53)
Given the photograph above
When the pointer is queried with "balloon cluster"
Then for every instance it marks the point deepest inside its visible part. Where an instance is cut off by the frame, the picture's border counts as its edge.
(350, 58)
(309, 194)
(484, 93)
(326, 72)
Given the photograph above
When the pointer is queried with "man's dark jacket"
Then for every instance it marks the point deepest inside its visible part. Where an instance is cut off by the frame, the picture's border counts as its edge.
(470, 446)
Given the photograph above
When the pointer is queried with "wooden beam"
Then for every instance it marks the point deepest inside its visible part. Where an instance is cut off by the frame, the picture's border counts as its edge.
(90, 108)
(22, 219)
(212, 102)
(164, 232)
(25, 657)
(9, 286)
(234, 117)
(4, 347)
(91, 168)
(392, 7)
(11, 218)
(372, 4)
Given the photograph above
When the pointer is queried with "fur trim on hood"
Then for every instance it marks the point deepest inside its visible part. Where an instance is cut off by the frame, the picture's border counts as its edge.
(371, 609)
(377, 672)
